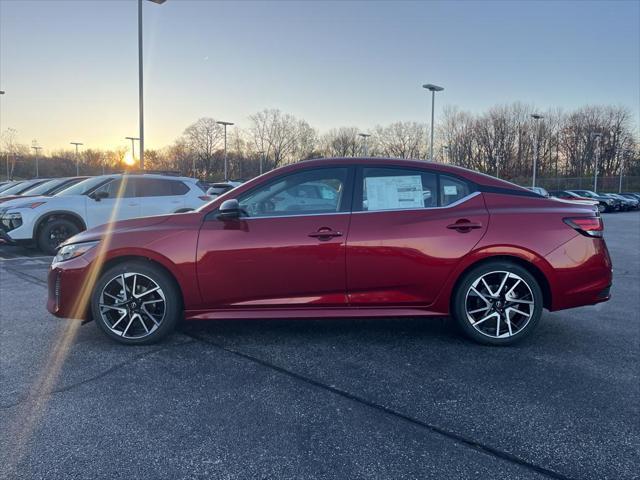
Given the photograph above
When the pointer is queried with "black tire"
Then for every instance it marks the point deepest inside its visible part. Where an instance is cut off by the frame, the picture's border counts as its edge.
(167, 287)
(463, 319)
(54, 232)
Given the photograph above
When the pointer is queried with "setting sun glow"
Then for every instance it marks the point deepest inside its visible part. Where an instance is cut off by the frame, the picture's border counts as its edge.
(128, 159)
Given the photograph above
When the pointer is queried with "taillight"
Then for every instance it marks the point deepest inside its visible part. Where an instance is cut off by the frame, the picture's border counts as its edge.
(204, 198)
(589, 226)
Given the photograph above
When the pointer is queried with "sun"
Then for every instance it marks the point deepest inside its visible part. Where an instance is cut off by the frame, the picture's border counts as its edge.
(128, 159)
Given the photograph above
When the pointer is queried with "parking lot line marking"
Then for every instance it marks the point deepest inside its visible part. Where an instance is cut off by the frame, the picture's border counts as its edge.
(488, 450)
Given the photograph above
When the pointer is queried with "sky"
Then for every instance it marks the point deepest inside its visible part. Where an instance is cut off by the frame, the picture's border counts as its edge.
(69, 68)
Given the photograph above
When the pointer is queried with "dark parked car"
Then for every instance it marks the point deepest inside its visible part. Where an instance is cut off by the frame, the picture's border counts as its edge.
(602, 204)
(613, 204)
(395, 238)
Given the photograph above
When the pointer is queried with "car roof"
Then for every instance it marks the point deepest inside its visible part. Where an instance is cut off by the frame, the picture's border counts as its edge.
(476, 177)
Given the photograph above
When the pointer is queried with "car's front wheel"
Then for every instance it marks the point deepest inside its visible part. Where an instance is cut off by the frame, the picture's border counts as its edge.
(498, 303)
(54, 232)
(136, 303)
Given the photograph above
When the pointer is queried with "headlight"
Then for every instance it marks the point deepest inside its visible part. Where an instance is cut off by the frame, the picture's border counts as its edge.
(11, 221)
(73, 250)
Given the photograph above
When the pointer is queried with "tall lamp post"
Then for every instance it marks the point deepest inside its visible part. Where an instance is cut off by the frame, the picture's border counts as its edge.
(365, 147)
(262, 160)
(536, 117)
(2, 93)
(226, 166)
(140, 82)
(597, 136)
(133, 150)
(77, 144)
(37, 149)
(433, 89)
(621, 154)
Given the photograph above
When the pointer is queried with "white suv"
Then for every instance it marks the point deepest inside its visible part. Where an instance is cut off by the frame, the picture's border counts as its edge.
(48, 221)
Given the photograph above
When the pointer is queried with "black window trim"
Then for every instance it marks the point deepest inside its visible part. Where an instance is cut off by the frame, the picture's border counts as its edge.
(474, 188)
(347, 196)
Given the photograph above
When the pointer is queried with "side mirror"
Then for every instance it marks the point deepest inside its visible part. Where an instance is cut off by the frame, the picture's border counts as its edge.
(97, 196)
(229, 209)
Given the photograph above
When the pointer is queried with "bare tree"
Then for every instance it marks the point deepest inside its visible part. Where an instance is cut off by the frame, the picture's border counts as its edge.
(340, 142)
(203, 139)
(401, 140)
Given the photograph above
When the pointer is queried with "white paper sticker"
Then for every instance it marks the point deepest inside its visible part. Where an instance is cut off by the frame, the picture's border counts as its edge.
(388, 193)
(450, 190)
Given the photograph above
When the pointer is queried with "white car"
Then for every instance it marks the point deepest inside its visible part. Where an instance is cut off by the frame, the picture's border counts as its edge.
(48, 221)
(217, 189)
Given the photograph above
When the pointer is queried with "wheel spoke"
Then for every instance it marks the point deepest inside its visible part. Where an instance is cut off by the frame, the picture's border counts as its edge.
(113, 307)
(124, 333)
(144, 309)
(147, 292)
(124, 315)
(499, 305)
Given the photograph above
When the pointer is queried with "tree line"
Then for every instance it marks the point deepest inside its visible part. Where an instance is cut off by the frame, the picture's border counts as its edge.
(502, 141)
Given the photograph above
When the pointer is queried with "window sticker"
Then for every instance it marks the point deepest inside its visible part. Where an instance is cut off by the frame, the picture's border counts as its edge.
(388, 193)
(450, 190)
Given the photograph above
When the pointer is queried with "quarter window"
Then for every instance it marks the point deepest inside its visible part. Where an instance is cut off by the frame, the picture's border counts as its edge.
(452, 190)
(154, 187)
(306, 193)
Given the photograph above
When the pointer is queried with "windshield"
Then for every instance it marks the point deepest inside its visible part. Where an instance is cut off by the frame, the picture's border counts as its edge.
(83, 187)
(21, 187)
(3, 188)
(45, 187)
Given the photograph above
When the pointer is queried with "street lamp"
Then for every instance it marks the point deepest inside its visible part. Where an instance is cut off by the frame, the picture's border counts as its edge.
(597, 136)
(445, 156)
(621, 154)
(536, 117)
(77, 144)
(133, 140)
(433, 89)
(2, 93)
(37, 149)
(262, 159)
(226, 168)
(365, 147)
(140, 87)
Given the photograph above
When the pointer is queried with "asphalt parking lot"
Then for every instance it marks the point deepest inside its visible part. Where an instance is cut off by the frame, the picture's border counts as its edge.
(344, 399)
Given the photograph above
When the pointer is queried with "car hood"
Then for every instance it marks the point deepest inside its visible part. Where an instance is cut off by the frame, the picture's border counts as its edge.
(19, 200)
(97, 233)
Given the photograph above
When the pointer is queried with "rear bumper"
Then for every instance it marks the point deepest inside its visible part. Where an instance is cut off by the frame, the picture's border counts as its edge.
(583, 273)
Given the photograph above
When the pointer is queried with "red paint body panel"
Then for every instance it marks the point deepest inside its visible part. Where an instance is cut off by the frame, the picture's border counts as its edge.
(387, 263)
(400, 257)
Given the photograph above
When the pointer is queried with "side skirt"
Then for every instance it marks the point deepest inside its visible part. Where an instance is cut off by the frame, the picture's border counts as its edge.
(332, 312)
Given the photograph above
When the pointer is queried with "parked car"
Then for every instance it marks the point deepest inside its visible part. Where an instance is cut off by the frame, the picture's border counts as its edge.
(613, 205)
(539, 190)
(20, 187)
(631, 194)
(488, 252)
(624, 203)
(629, 203)
(48, 221)
(217, 189)
(47, 188)
(603, 205)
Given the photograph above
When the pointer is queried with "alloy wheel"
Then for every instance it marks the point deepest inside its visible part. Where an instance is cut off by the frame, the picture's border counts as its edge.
(499, 304)
(132, 305)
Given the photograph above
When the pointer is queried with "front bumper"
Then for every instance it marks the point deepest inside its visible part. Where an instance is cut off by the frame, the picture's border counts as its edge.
(5, 238)
(69, 291)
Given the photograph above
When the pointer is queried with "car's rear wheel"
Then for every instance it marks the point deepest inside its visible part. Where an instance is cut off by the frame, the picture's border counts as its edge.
(54, 232)
(498, 303)
(136, 303)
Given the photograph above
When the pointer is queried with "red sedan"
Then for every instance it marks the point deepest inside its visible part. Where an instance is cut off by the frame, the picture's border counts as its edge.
(341, 238)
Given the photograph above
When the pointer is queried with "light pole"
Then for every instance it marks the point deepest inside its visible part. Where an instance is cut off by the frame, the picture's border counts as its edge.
(77, 144)
(597, 136)
(536, 117)
(621, 153)
(262, 159)
(37, 149)
(2, 93)
(365, 147)
(445, 154)
(226, 166)
(433, 89)
(133, 150)
(140, 86)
